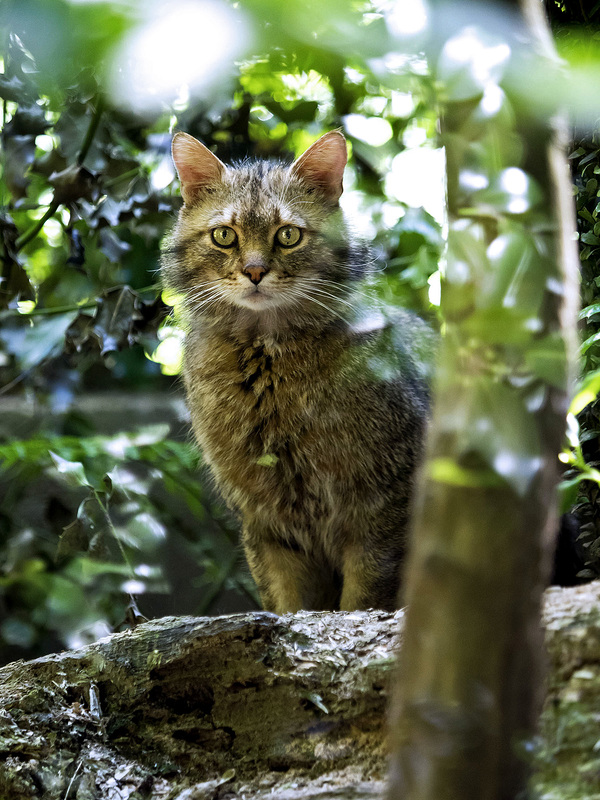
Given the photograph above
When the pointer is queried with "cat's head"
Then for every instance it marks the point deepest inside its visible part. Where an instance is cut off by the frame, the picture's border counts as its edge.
(261, 239)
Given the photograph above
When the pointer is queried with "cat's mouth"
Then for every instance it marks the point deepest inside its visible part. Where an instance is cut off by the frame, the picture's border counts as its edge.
(256, 297)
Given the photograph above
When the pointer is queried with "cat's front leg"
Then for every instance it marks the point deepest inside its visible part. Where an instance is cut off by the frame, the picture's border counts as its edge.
(371, 577)
(280, 571)
(289, 579)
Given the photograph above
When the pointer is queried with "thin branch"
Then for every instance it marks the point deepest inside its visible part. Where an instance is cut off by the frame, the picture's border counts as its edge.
(583, 14)
(79, 766)
(48, 312)
(26, 237)
(91, 132)
(53, 207)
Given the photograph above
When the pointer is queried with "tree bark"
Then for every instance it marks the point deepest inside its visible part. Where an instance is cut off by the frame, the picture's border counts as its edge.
(256, 706)
(471, 666)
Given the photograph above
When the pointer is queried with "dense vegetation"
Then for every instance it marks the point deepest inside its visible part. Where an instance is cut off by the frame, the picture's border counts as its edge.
(91, 515)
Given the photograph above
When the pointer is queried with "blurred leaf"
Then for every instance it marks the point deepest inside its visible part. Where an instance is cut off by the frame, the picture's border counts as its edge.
(490, 420)
(32, 340)
(587, 392)
(517, 274)
(445, 470)
(500, 325)
(19, 152)
(28, 120)
(113, 319)
(546, 358)
(72, 183)
(512, 191)
(72, 470)
(113, 247)
(567, 492)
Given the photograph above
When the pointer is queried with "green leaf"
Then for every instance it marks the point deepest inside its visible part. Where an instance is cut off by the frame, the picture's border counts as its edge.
(547, 359)
(589, 342)
(490, 420)
(32, 340)
(446, 470)
(568, 491)
(517, 275)
(500, 325)
(587, 392)
(512, 192)
(589, 238)
(267, 460)
(73, 471)
(589, 311)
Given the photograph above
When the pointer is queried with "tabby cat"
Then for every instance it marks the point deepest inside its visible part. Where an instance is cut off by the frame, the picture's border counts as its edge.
(306, 400)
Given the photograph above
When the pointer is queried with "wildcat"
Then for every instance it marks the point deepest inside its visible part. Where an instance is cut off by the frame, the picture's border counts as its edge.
(307, 401)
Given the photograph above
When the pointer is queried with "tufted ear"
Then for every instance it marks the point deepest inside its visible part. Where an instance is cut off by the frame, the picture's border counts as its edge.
(323, 164)
(195, 164)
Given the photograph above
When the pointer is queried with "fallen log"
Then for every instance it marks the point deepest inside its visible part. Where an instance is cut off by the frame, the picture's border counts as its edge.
(256, 706)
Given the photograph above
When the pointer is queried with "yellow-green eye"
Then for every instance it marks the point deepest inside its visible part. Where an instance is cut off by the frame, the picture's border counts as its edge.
(288, 236)
(224, 236)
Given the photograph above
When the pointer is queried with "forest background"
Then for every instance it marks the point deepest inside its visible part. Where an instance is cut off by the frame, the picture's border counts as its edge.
(102, 496)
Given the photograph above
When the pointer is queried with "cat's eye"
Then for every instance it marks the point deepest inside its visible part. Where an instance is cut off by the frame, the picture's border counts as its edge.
(224, 236)
(288, 236)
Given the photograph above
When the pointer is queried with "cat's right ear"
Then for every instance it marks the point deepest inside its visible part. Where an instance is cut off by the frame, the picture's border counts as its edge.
(195, 164)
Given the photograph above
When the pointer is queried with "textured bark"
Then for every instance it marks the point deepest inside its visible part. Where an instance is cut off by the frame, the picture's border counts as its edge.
(472, 666)
(257, 706)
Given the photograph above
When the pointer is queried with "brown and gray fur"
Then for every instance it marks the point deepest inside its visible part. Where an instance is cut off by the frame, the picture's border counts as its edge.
(307, 401)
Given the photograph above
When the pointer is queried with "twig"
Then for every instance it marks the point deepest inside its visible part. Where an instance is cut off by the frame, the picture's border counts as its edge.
(91, 132)
(583, 14)
(47, 312)
(26, 237)
(79, 766)
(53, 207)
(132, 173)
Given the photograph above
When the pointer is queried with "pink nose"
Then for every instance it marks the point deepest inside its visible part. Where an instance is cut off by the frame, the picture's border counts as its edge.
(255, 272)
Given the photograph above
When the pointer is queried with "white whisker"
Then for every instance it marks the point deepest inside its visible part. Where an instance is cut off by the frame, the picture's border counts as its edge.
(302, 292)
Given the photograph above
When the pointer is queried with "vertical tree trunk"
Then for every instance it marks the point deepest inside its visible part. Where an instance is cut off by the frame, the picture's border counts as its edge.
(471, 678)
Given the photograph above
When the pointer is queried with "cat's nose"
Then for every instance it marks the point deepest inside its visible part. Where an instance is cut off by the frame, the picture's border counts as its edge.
(255, 272)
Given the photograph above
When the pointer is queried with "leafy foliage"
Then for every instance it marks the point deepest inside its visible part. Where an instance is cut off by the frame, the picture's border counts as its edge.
(87, 192)
(582, 481)
(92, 515)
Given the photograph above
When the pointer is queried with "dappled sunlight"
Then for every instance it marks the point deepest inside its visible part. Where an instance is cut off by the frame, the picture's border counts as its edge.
(417, 179)
(180, 46)
(407, 18)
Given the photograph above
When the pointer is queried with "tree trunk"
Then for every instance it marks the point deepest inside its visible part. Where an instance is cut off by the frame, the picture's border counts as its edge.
(259, 707)
(470, 684)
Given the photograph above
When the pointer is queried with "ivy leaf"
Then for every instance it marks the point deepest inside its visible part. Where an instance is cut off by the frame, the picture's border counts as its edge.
(113, 319)
(586, 393)
(34, 341)
(73, 183)
(89, 533)
(77, 249)
(113, 247)
(19, 152)
(29, 120)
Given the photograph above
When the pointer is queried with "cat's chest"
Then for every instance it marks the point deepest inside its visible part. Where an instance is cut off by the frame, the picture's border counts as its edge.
(252, 404)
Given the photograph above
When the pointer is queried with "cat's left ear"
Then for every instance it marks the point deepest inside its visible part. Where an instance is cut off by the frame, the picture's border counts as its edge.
(323, 164)
(195, 164)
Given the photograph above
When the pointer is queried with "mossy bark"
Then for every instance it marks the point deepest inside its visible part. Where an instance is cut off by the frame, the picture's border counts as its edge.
(259, 706)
